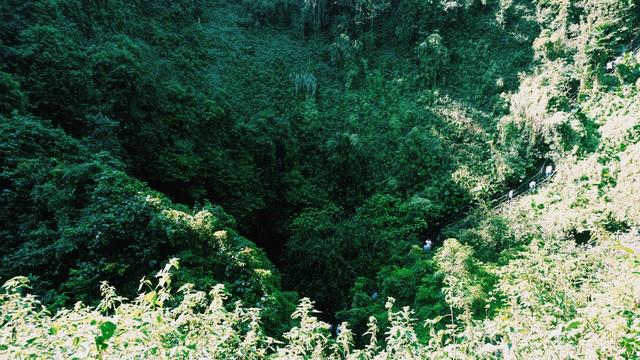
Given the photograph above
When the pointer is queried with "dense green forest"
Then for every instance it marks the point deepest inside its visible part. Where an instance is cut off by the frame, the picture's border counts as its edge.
(305, 179)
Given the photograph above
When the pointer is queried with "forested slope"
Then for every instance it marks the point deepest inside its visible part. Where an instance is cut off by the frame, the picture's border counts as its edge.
(338, 136)
(72, 219)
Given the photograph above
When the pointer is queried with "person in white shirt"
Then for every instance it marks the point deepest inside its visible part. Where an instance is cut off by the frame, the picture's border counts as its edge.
(428, 244)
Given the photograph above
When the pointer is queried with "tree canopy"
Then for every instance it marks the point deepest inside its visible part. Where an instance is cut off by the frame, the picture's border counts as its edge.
(302, 152)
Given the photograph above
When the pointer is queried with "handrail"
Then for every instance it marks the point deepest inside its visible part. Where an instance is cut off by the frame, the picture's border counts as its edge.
(540, 178)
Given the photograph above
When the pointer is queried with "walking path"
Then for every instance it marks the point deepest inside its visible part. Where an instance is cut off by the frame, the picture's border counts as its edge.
(546, 173)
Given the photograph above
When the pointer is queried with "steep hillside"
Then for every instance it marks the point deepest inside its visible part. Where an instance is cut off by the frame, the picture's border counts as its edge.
(356, 154)
(290, 121)
(567, 255)
(71, 219)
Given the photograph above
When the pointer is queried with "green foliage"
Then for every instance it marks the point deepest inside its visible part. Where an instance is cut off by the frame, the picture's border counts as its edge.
(103, 135)
(461, 290)
(490, 238)
(314, 245)
(70, 218)
(305, 83)
(344, 49)
(434, 57)
(198, 325)
(423, 16)
(366, 11)
(126, 62)
(271, 12)
(341, 135)
(628, 67)
(12, 98)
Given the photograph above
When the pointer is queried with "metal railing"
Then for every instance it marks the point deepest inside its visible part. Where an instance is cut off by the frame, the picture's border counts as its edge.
(529, 186)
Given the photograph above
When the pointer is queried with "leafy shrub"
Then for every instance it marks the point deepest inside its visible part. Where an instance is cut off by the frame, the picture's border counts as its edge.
(456, 262)
(267, 12)
(70, 218)
(434, 57)
(12, 98)
(199, 325)
(628, 67)
(304, 83)
(344, 49)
